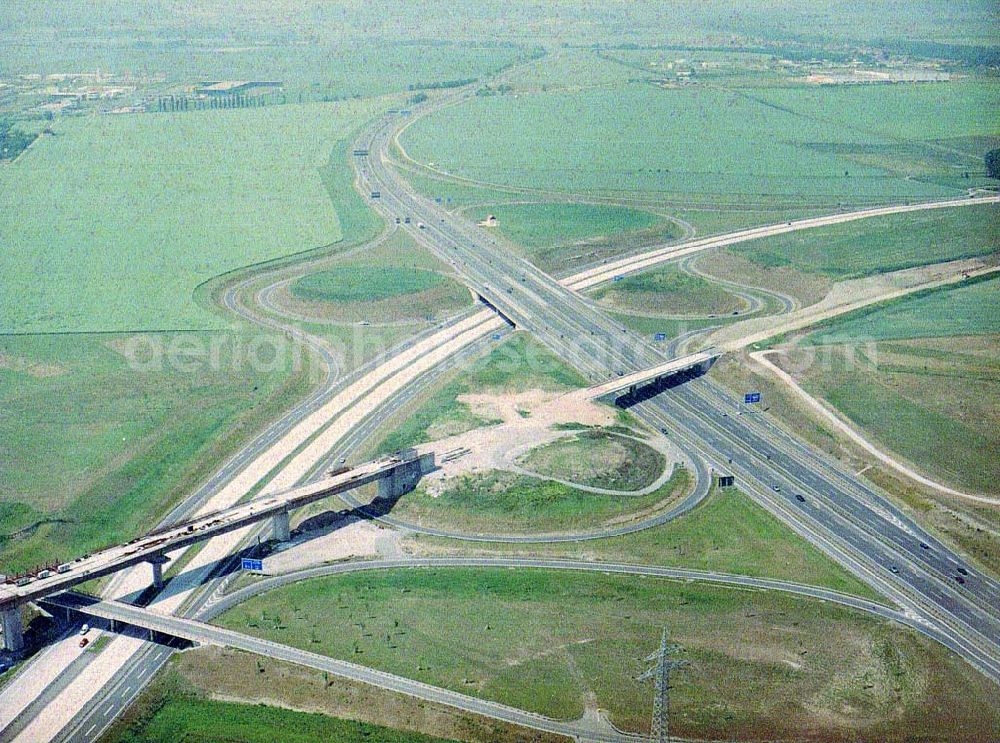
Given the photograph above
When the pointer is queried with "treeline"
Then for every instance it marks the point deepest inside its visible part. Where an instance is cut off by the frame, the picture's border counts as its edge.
(966, 54)
(172, 103)
(13, 141)
(442, 84)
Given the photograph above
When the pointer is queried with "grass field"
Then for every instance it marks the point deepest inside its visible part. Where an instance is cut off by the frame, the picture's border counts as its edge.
(516, 365)
(503, 502)
(116, 220)
(544, 225)
(94, 448)
(171, 711)
(597, 459)
(705, 144)
(396, 280)
(355, 284)
(881, 244)
(727, 533)
(969, 309)
(668, 291)
(548, 641)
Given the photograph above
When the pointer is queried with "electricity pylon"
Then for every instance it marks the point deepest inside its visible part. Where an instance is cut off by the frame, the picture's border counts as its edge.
(660, 673)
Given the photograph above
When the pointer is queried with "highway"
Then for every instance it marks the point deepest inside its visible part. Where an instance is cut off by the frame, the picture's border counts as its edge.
(840, 514)
(548, 320)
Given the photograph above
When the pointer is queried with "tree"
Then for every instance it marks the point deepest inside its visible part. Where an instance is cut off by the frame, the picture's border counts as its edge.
(993, 163)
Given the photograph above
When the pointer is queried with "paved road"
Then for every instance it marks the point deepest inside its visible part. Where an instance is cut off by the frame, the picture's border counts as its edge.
(840, 514)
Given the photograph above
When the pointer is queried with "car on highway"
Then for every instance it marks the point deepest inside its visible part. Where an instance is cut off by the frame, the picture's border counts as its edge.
(84, 629)
(894, 569)
(84, 641)
(960, 580)
(776, 488)
(800, 498)
(963, 571)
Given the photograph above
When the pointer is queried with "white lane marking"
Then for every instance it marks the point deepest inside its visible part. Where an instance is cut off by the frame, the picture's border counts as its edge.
(90, 730)
(144, 672)
(108, 710)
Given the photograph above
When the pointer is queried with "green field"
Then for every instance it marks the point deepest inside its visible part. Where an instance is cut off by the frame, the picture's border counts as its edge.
(516, 365)
(728, 533)
(545, 225)
(94, 449)
(668, 291)
(881, 244)
(548, 640)
(597, 459)
(116, 220)
(972, 308)
(171, 712)
(693, 143)
(923, 113)
(357, 284)
(499, 502)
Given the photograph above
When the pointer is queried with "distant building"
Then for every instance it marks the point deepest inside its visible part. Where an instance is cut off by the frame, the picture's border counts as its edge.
(229, 87)
(490, 221)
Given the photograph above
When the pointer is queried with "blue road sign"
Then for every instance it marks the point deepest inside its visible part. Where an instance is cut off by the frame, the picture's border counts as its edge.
(660, 337)
(751, 397)
(618, 278)
(497, 336)
(248, 563)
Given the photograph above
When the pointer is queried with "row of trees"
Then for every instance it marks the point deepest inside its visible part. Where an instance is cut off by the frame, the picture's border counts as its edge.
(13, 141)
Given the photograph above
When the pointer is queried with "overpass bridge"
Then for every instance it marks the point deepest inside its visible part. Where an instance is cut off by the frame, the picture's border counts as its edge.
(395, 475)
(638, 385)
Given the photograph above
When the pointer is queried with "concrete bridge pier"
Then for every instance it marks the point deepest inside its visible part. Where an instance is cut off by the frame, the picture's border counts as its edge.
(13, 628)
(281, 529)
(157, 565)
(405, 477)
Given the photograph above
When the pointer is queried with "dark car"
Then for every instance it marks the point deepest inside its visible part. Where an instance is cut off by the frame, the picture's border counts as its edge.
(800, 498)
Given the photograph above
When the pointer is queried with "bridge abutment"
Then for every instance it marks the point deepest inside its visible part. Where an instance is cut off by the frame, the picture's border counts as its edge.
(405, 477)
(13, 628)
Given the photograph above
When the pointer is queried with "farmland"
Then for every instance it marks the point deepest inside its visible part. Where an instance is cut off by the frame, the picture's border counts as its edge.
(85, 465)
(706, 144)
(117, 221)
(547, 641)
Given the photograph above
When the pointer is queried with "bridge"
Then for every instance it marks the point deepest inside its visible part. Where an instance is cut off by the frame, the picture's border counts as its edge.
(395, 475)
(646, 382)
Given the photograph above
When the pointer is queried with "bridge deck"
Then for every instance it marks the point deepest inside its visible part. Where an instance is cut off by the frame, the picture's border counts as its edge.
(636, 379)
(204, 526)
